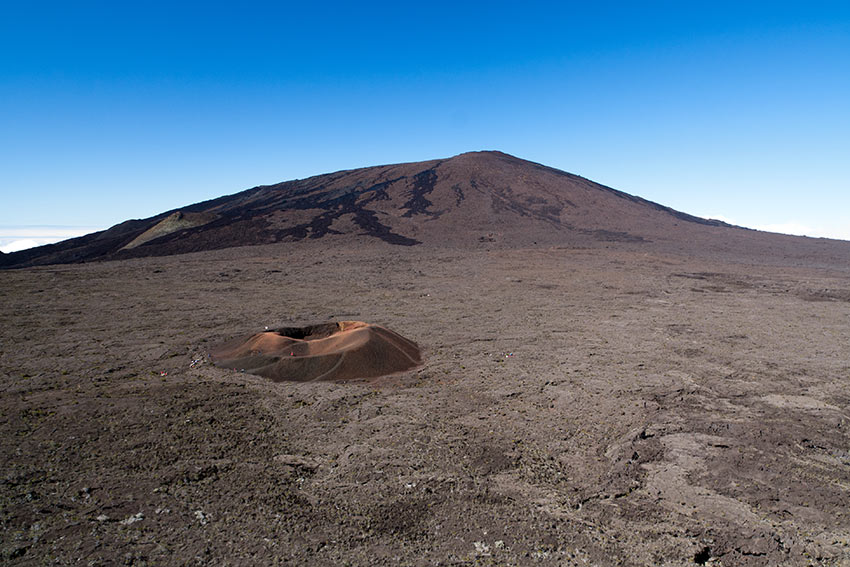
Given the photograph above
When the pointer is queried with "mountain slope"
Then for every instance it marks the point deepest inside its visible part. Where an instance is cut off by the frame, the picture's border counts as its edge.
(473, 199)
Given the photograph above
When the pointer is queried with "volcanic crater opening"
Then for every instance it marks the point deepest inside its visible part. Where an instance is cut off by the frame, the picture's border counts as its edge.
(312, 332)
(343, 350)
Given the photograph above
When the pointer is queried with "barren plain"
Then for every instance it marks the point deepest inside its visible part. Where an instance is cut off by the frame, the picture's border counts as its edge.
(614, 404)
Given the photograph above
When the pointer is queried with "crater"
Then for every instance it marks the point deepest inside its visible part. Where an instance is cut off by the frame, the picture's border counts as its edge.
(344, 350)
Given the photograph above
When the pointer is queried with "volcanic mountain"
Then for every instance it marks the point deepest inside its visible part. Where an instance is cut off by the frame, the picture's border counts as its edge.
(474, 199)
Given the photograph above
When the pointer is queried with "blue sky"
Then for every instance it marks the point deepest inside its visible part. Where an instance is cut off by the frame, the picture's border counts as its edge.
(110, 111)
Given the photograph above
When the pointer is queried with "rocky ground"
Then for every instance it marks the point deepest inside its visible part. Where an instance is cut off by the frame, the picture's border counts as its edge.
(600, 406)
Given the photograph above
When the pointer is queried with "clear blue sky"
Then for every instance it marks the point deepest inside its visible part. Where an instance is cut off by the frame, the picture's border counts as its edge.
(114, 110)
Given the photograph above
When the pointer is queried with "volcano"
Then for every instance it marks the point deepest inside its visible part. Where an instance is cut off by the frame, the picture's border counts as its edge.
(478, 198)
(473, 200)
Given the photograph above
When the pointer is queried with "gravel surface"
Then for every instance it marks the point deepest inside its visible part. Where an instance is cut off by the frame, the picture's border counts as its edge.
(613, 405)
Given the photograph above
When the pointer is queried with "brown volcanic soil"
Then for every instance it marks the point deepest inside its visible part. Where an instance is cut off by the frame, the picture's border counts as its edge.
(621, 404)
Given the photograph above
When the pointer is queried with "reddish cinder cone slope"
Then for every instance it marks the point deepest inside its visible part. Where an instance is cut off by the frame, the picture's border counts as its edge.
(330, 351)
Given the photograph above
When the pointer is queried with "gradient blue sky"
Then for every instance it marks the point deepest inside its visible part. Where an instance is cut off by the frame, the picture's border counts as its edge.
(111, 110)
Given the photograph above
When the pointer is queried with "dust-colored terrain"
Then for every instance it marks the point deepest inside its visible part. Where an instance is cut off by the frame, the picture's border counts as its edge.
(616, 404)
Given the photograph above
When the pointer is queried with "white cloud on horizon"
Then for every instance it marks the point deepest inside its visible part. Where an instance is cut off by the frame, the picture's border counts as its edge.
(7, 246)
(791, 227)
(17, 238)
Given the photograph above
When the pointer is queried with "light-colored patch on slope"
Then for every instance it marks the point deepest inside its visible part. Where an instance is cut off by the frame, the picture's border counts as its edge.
(172, 223)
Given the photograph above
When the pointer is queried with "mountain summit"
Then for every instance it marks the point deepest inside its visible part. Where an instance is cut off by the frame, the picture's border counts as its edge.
(473, 199)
